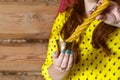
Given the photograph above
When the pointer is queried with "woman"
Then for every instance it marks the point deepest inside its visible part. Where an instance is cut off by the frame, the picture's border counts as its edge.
(95, 54)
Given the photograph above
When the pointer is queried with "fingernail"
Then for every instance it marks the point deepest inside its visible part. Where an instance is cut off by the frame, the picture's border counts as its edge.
(99, 2)
(63, 51)
(71, 52)
(54, 52)
(67, 51)
(97, 19)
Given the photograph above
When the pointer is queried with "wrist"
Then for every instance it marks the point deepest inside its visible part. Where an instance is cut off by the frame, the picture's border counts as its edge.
(55, 74)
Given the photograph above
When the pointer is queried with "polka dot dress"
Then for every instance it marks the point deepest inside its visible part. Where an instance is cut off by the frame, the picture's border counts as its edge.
(94, 64)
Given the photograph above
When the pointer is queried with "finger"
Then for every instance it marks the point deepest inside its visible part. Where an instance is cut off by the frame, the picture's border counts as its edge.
(102, 17)
(59, 60)
(55, 54)
(95, 7)
(92, 10)
(110, 18)
(65, 59)
(99, 2)
(71, 62)
(116, 12)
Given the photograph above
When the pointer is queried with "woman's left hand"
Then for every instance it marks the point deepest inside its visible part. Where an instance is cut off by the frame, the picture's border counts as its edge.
(111, 15)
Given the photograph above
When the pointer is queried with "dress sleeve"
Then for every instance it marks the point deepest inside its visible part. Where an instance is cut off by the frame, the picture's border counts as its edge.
(52, 46)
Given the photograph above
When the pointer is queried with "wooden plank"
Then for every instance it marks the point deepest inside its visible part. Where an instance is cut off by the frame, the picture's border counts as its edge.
(26, 19)
(22, 58)
(19, 36)
(48, 1)
(21, 77)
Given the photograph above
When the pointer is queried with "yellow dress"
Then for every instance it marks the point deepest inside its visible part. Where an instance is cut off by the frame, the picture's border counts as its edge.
(94, 65)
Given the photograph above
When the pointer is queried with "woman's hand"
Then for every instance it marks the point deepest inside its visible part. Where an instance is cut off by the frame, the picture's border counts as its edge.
(111, 15)
(63, 61)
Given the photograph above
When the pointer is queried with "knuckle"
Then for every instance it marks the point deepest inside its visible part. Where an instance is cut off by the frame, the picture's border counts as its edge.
(63, 65)
(57, 62)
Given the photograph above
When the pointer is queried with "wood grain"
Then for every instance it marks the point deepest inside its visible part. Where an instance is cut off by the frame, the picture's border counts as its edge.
(22, 77)
(20, 19)
(24, 19)
(22, 58)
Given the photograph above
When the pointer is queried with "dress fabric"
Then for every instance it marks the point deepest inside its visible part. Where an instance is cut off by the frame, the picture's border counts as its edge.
(94, 64)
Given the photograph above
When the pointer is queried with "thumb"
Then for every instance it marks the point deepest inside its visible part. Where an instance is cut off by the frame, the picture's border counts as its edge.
(108, 18)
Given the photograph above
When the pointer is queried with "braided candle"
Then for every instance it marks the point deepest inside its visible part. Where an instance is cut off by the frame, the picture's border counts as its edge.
(91, 17)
